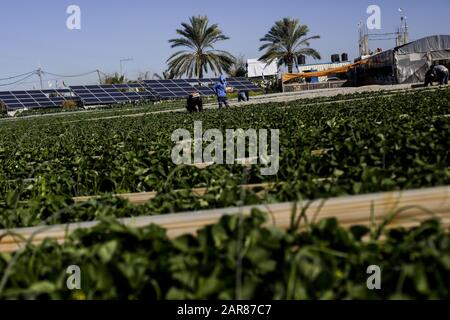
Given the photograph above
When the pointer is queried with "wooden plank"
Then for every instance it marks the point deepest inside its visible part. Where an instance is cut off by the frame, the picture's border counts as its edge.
(144, 197)
(320, 152)
(245, 162)
(419, 205)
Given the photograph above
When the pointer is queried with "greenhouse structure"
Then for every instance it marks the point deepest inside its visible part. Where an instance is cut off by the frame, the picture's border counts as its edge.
(404, 64)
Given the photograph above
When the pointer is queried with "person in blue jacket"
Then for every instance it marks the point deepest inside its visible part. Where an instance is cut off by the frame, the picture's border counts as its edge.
(220, 90)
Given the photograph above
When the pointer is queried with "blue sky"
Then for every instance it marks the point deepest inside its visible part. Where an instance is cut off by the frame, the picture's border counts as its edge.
(34, 32)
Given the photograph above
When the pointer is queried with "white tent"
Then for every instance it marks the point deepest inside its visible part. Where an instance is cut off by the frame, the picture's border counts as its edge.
(413, 60)
(405, 64)
(260, 69)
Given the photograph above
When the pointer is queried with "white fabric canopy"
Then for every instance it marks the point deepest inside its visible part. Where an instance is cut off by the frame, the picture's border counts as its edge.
(259, 69)
(405, 64)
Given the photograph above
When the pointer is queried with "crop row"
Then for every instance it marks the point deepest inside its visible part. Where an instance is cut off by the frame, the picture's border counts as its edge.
(323, 262)
(394, 142)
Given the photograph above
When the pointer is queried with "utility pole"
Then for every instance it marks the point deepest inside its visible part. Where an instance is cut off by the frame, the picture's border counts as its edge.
(99, 77)
(121, 67)
(363, 39)
(403, 32)
(39, 72)
(406, 31)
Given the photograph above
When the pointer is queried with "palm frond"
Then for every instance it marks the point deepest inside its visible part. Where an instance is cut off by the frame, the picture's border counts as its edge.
(285, 41)
(199, 37)
(310, 52)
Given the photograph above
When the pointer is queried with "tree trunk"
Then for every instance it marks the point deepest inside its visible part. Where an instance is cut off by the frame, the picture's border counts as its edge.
(199, 65)
(290, 65)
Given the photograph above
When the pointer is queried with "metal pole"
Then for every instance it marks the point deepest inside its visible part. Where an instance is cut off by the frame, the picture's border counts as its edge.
(406, 30)
(99, 77)
(39, 71)
(121, 67)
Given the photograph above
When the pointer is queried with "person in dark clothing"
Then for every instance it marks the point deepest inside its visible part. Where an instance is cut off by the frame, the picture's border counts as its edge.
(429, 78)
(220, 90)
(441, 73)
(194, 103)
(437, 73)
(243, 95)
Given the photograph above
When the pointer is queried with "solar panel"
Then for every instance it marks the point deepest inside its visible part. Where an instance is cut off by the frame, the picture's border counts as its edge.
(182, 88)
(59, 96)
(114, 93)
(118, 93)
(176, 89)
(36, 98)
(243, 84)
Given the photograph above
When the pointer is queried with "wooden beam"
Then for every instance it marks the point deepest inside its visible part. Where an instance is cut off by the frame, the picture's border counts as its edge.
(144, 197)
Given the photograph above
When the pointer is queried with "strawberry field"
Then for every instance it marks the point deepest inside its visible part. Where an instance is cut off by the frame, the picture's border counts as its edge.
(329, 147)
(370, 145)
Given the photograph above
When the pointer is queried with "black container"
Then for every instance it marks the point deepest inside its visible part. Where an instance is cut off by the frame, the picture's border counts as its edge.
(301, 60)
(335, 58)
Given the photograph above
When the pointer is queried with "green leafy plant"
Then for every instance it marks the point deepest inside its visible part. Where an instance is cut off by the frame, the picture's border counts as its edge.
(323, 262)
(286, 41)
(365, 145)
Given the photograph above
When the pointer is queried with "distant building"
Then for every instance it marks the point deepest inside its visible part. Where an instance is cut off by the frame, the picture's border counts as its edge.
(404, 64)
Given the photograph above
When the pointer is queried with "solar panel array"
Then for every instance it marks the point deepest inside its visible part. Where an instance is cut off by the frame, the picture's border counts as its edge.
(115, 93)
(241, 84)
(36, 98)
(181, 88)
(172, 89)
(118, 93)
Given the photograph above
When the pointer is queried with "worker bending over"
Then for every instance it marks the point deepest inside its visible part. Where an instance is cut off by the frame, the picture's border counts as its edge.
(439, 73)
(194, 101)
(243, 95)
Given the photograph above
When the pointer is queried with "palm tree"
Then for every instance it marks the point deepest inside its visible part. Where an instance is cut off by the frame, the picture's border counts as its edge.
(114, 78)
(238, 68)
(200, 56)
(286, 41)
(165, 75)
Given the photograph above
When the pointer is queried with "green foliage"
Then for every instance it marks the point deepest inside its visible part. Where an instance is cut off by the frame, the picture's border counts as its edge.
(323, 262)
(373, 144)
(367, 143)
(165, 75)
(114, 78)
(238, 68)
(286, 41)
(199, 38)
